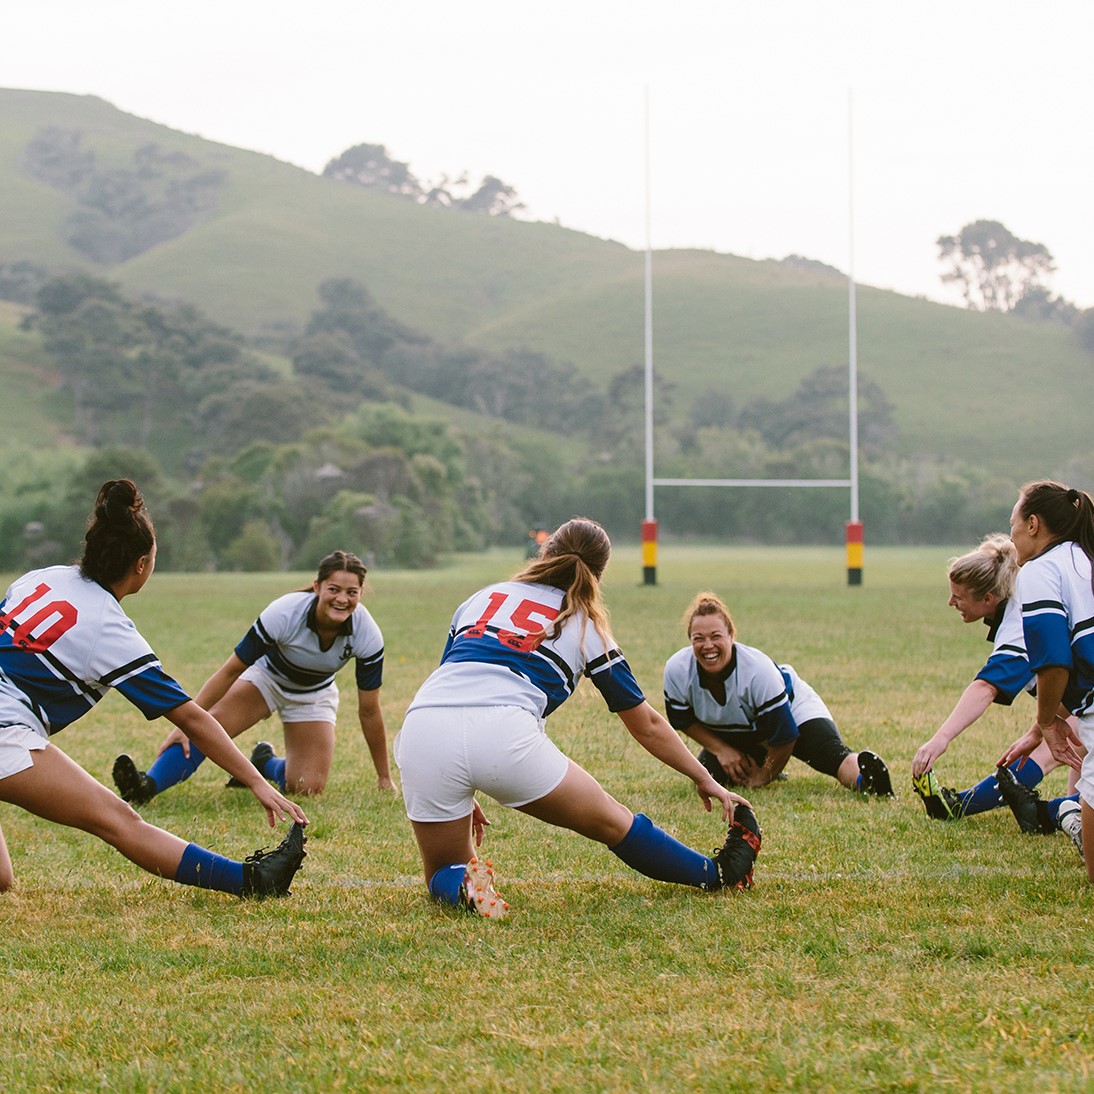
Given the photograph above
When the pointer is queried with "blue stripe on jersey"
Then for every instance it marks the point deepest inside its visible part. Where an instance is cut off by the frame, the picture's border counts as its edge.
(1048, 643)
(1051, 645)
(1008, 672)
(777, 726)
(59, 699)
(305, 679)
(152, 691)
(682, 716)
(771, 705)
(111, 679)
(254, 644)
(370, 672)
(539, 670)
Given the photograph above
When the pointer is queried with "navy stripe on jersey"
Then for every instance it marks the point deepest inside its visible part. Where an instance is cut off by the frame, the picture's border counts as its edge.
(541, 651)
(1057, 610)
(555, 681)
(292, 616)
(304, 679)
(58, 698)
(369, 671)
(111, 679)
(1008, 672)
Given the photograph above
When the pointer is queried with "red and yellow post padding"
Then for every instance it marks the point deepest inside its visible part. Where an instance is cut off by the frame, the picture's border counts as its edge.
(856, 550)
(649, 552)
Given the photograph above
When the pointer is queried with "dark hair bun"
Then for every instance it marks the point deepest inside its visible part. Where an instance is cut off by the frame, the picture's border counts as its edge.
(118, 502)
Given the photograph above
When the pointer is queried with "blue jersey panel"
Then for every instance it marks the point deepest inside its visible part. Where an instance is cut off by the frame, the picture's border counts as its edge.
(64, 641)
(1008, 674)
(551, 677)
(1058, 619)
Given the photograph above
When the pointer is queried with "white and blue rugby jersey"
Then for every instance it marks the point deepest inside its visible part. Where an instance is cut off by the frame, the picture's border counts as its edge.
(1007, 669)
(285, 639)
(1058, 619)
(496, 655)
(64, 640)
(762, 700)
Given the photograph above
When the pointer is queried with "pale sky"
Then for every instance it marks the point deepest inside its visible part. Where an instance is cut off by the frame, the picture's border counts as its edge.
(768, 122)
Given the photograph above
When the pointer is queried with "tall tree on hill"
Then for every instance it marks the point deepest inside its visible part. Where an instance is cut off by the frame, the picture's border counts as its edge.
(369, 165)
(993, 267)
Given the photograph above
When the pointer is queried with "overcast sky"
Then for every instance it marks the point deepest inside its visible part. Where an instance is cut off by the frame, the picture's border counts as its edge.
(768, 123)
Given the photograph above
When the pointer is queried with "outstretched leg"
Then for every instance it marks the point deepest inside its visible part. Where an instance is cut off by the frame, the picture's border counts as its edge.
(581, 804)
(57, 789)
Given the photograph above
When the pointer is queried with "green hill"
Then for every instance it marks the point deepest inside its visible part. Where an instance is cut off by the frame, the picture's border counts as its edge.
(265, 234)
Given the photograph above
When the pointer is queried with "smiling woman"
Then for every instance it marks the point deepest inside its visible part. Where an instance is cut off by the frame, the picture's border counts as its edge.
(286, 663)
(751, 715)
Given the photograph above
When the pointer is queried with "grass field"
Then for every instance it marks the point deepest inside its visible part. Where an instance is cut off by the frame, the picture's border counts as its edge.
(878, 951)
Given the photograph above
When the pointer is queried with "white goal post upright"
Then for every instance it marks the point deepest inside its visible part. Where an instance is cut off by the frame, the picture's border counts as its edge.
(853, 528)
(649, 524)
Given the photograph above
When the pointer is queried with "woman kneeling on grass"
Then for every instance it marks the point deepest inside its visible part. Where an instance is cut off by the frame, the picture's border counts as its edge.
(1052, 527)
(982, 588)
(64, 641)
(287, 662)
(516, 650)
(751, 715)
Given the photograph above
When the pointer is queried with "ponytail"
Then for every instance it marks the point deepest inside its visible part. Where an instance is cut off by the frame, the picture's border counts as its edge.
(1067, 513)
(573, 559)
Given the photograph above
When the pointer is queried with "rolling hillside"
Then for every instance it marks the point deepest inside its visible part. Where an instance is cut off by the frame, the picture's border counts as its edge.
(964, 386)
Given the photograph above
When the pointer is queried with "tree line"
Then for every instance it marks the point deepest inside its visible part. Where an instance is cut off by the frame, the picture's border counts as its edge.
(257, 466)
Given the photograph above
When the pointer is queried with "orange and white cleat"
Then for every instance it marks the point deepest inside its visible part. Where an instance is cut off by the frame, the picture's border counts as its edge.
(478, 892)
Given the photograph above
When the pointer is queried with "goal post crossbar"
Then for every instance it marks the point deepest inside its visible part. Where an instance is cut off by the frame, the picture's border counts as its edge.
(751, 482)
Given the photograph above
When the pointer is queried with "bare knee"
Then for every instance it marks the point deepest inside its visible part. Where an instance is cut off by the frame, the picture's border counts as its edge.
(307, 785)
(115, 823)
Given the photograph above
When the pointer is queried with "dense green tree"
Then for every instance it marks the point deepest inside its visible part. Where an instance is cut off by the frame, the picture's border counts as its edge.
(493, 198)
(369, 165)
(993, 267)
(1038, 304)
(350, 311)
(820, 408)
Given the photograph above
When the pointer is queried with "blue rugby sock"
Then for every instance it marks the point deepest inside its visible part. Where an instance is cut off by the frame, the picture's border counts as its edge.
(652, 851)
(445, 884)
(207, 870)
(1052, 808)
(985, 794)
(172, 766)
(275, 770)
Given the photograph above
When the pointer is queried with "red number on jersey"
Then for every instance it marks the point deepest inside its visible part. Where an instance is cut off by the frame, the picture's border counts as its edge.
(524, 616)
(22, 634)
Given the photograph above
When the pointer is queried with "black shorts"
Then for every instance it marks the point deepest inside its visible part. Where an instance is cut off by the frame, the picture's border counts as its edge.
(819, 745)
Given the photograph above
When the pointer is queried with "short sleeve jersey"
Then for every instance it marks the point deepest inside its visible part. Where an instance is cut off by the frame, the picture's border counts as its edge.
(64, 642)
(1007, 669)
(497, 654)
(1058, 619)
(285, 640)
(761, 701)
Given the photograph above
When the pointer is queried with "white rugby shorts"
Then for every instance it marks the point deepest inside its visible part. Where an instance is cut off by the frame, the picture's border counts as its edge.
(294, 706)
(445, 754)
(17, 741)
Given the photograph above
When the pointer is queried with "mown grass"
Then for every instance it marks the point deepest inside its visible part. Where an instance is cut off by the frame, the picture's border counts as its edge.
(878, 951)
